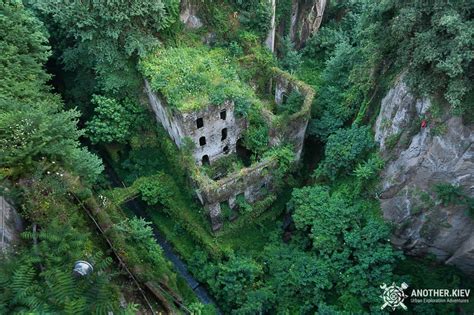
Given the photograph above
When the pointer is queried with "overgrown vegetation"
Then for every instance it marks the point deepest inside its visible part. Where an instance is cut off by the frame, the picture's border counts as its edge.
(333, 251)
(43, 169)
(193, 78)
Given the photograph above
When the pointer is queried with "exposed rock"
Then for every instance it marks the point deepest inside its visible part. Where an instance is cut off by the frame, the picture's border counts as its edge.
(10, 225)
(188, 15)
(270, 40)
(418, 160)
(306, 17)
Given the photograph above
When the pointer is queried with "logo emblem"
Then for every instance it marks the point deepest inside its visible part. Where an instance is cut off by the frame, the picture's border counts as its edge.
(394, 296)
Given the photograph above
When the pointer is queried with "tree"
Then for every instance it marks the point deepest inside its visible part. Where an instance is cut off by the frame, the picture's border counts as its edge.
(435, 42)
(297, 278)
(343, 150)
(107, 38)
(113, 120)
(24, 50)
(33, 126)
(291, 59)
(349, 236)
(234, 279)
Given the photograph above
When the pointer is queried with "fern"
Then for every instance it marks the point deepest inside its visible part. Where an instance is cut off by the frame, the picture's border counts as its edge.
(44, 283)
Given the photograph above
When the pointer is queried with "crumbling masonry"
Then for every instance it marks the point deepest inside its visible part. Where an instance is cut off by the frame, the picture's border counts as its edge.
(215, 131)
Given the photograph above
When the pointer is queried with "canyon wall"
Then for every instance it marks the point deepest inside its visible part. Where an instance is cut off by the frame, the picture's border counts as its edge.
(422, 152)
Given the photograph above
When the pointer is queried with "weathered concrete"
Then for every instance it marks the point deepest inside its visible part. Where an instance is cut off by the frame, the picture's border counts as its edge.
(10, 225)
(417, 161)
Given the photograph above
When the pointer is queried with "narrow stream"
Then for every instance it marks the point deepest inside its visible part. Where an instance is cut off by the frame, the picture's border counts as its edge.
(180, 266)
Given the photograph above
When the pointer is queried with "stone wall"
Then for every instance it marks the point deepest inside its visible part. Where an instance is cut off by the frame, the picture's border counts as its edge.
(214, 120)
(248, 182)
(165, 116)
(294, 129)
(306, 18)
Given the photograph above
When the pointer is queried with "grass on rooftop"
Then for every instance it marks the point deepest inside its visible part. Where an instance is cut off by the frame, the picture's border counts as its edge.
(193, 78)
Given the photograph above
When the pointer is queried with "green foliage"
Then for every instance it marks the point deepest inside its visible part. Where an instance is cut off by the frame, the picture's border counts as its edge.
(255, 137)
(113, 119)
(428, 273)
(285, 156)
(292, 104)
(343, 150)
(24, 49)
(103, 41)
(155, 190)
(291, 59)
(39, 278)
(193, 78)
(242, 204)
(255, 15)
(283, 15)
(138, 233)
(33, 125)
(335, 101)
(362, 43)
(436, 41)
(223, 166)
(350, 239)
(230, 281)
(370, 168)
(450, 194)
(235, 49)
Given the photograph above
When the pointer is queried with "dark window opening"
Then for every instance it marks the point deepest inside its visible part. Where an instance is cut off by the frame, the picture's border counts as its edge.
(205, 160)
(223, 114)
(202, 141)
(224, 134)
(243, 153)
(199, 122)
(226, 149)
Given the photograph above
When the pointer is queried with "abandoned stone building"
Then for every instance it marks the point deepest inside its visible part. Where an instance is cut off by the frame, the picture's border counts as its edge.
(217, 131)
(214, 129)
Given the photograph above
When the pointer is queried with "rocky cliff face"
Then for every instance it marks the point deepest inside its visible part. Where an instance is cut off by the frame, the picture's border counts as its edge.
(306, 17)
(10, 225)
(418, 158)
